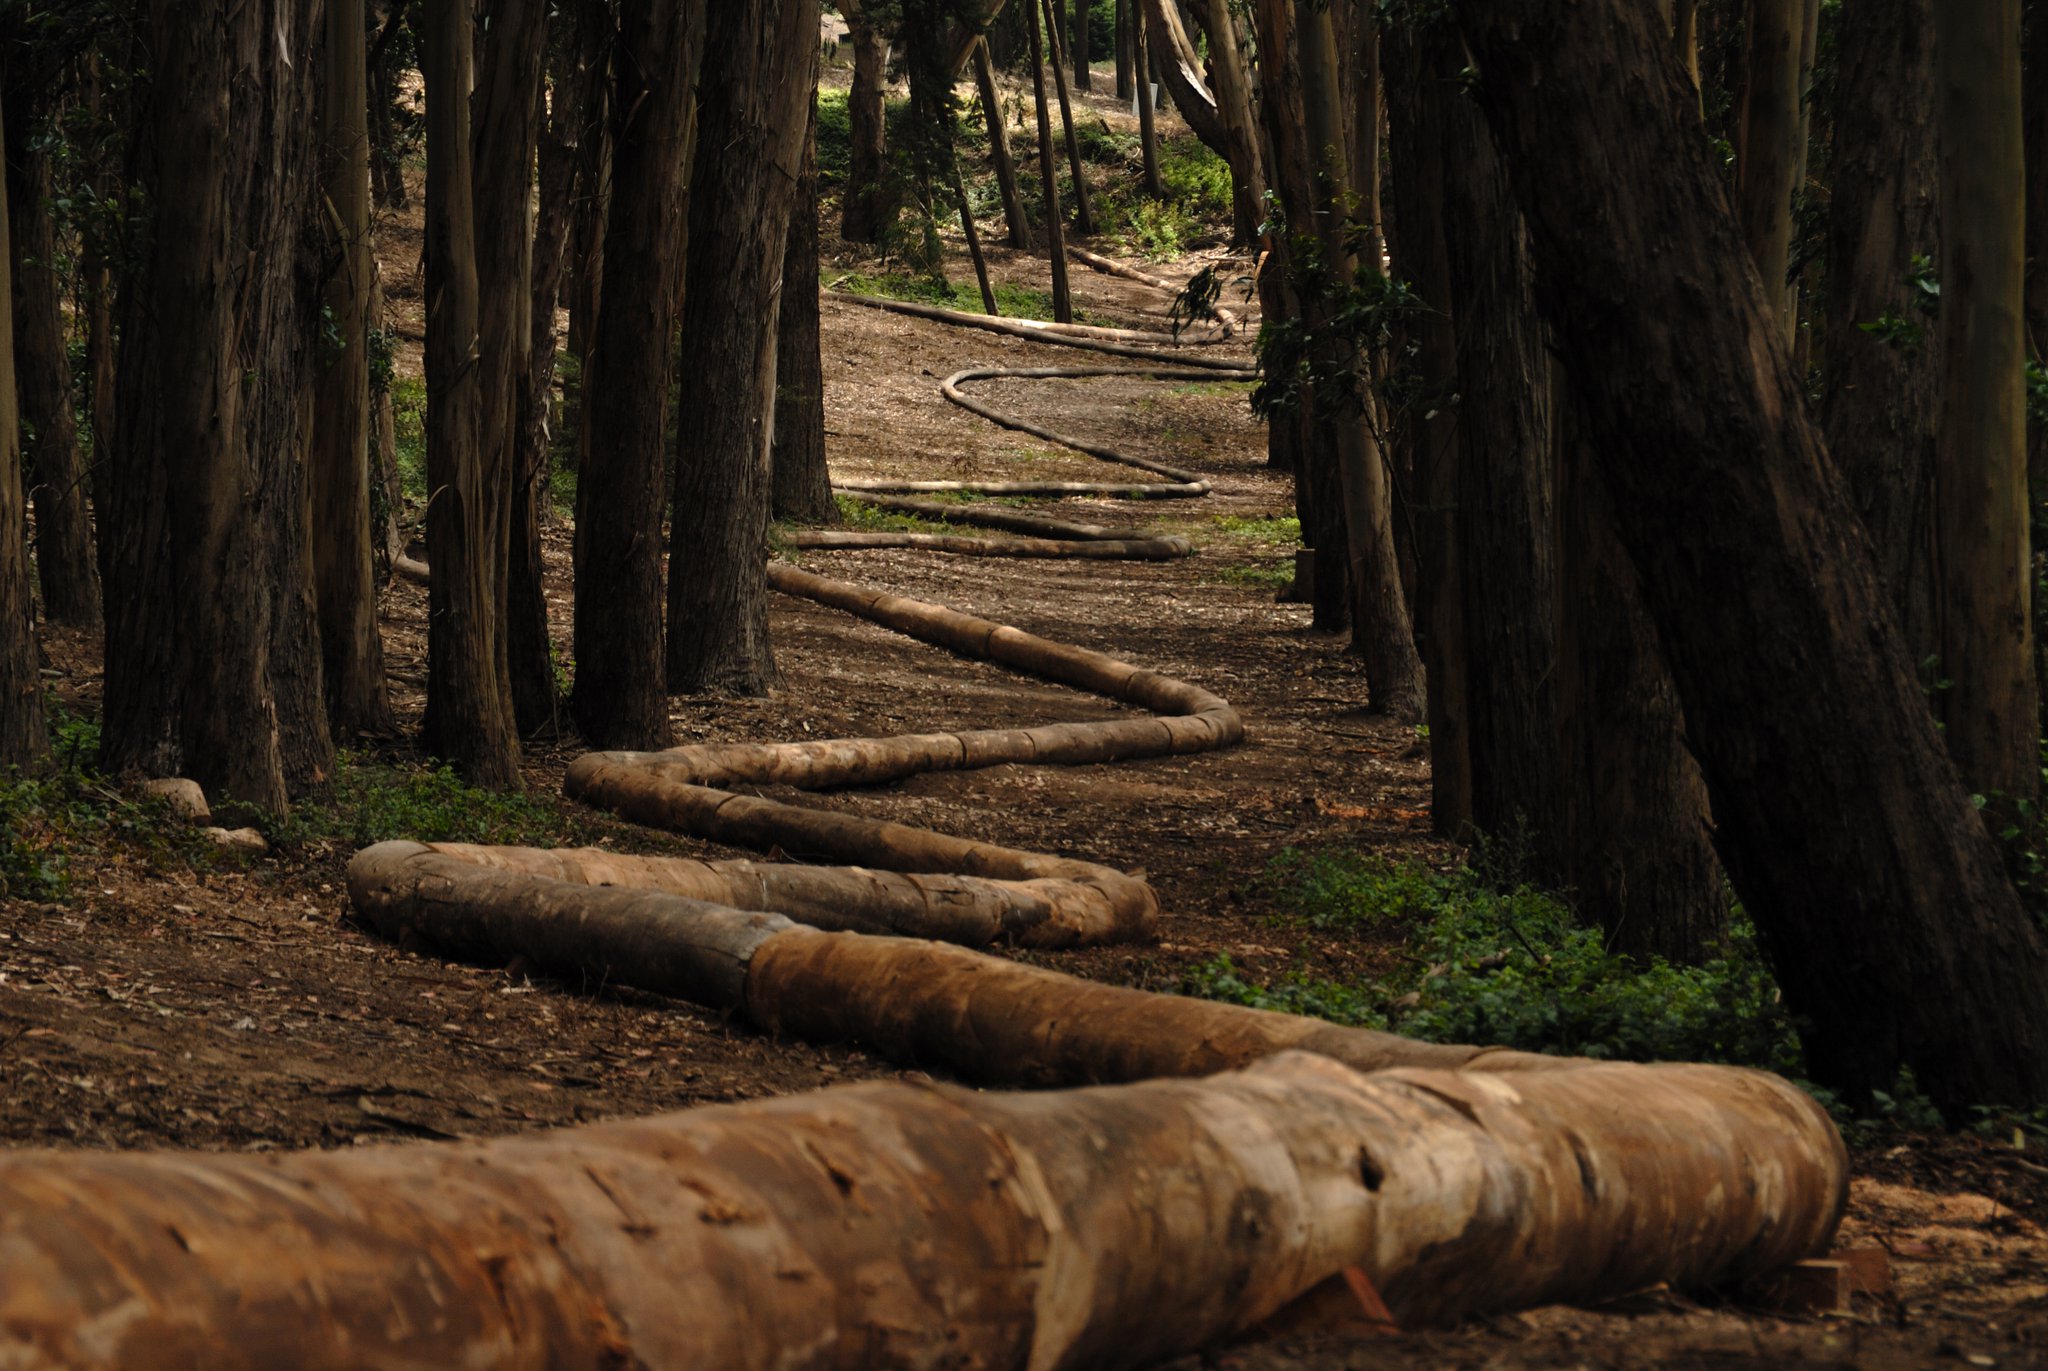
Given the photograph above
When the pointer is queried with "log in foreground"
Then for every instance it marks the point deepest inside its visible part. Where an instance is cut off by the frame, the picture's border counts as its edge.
(893, 1225)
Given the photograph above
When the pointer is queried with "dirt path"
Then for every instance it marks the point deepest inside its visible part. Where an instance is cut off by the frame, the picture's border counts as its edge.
(237, 1006)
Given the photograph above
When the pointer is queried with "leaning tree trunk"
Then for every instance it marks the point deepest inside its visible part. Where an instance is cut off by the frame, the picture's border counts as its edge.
(1148, 132)
(621, 697)
(1890, 924)
(1014, 217)
(1984, 623)
(1770, 153)
(1179, 68)
(749, 143)
(861, 206)
(22, 740)
(1240, 131)
(338, 463)
(65, 563)
(803, 485)
(469, 718)
(1881, 400)
(212, 659)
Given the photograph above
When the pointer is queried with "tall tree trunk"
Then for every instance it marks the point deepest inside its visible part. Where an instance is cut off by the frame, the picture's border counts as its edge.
(1770, 156)
(351, 654)
(1422, 63)
(596, 36)
(1180, 74)
(22, 740)
(469, 699)
(1083, 79)
(2034, 98)
(1881, 399)
(48, 423)
(1018, 222)
(1048, 178)
(1843, 823)
(1148, 132)
(387, 540)
(1240, 132)
(1980, 508)
(749, 144)
(213, 662)
(1084, 217)
(1125, 87)
(861, 207)
(1380, 623)
(621, 697)
(803, 485)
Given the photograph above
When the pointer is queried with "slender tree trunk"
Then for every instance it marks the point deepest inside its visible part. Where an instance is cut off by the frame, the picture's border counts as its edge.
(22, 739)
(1125, 87)
(48, 424)
(1770, 157)
(803, 485)
(213, 662)
(596, 35)
(2034, 98)
(621, 695)
(1843, 823)
(1048, 178)
(861, 207)
(351, 654)
(387, 175)
(1148, 132)
(749, 146)
(389, 540)
(1083, 80)
(1014, 217)
(1180, 74)
(1381, 627)
(469, 699)
(1084, 218)
(1980, 508)
(1240, 131)
(1881, 400)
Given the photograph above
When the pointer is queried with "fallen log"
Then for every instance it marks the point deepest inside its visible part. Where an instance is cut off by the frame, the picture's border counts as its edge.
(1109, 266)
(1163, 549)
(1123, 342)
(893, 1225)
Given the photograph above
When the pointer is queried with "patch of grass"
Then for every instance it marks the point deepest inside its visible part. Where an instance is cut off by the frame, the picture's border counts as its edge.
(49, 820)
(409, 422)
(1014, 301)
(1271, 576)
(1214, 387)
(1509, 964)
(835, 133)
(1276, 530)
(863, 517)
(373, 802)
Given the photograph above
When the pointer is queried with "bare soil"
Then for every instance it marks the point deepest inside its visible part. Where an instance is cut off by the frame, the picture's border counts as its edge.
(236, 1005)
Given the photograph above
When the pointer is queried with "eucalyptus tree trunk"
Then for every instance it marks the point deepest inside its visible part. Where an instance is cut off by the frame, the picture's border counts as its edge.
(861, 206)
(1845, 828)
(344, 573)
(1048, 177)
(213, 663)
(1014, 217)
(1083, 79)
(749, 146)
(1881, 400)
(1148, 131)
(1180, 74)
(22, 739)
(621, 694)
(469, 697)
(803, 485)
(596, 36)
(1985, 627)
(1240, 131)
(1084, 216)
(1769, 157)
(1124, 84)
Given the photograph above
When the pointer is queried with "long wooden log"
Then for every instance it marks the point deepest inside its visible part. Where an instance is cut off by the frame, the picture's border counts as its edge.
(1121, 342)
(891, 1225)
(1167, 549)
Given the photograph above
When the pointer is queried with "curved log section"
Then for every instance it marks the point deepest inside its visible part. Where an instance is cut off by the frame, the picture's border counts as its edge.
(890, 1225)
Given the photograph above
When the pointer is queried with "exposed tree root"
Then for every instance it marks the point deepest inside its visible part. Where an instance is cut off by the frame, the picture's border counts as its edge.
(896, 1226)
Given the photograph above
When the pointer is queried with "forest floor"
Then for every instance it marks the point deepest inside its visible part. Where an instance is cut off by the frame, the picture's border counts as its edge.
(175, 998)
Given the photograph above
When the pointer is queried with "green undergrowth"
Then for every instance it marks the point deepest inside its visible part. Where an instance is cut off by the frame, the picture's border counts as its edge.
(863, 517)
(68, 816)
(409, 422)
(1194, 210)
(373, 801)
(1493, 962)
(1281, 530)
(1012, 301)
(1274, 576)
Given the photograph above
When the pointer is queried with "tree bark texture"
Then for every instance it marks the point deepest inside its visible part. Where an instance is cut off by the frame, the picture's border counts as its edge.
(338, 462)
(213, 663)
(1148, 131)
(749, 150)
(1125, 86)
(1983, 567)
(1232, 90)
(1843, 823)
(51, 463)
(621, 696)
(1014, 217)
(1083, 79)
(862, 204)
(22, 739)
(893, 1225)
(1881, 401)
(803, 485)
(1084, 215)
(1179, 68)
(1769, 156)
(469, 718)
(1048, 176)
(596, 36)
